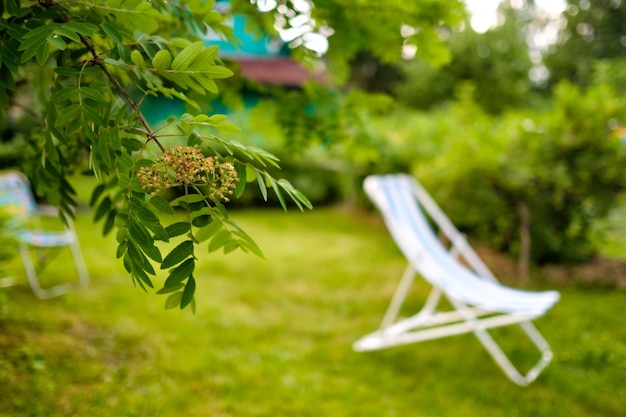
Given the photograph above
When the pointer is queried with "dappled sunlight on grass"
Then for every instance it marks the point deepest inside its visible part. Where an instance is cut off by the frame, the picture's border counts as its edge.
(273, 337)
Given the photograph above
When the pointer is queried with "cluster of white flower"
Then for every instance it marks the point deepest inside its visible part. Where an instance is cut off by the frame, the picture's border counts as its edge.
(186, 165)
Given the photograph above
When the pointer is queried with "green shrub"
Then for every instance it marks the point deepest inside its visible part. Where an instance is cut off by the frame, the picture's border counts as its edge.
(563, 164)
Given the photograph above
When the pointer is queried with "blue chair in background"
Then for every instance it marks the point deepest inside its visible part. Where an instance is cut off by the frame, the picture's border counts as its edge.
(21, 226)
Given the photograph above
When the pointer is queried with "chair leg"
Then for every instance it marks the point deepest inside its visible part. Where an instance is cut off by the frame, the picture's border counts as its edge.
(33, 281)
(398, 296)
(79, 263)
(498, 354)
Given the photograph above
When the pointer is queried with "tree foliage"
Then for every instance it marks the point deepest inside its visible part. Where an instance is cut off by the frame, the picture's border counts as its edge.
(351, 27)
(496, 62)
(563, 164)
(593, 30)
(79, 71)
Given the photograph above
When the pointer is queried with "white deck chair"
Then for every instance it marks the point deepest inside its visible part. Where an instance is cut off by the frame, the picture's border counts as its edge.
(19, 210)
(479, 301)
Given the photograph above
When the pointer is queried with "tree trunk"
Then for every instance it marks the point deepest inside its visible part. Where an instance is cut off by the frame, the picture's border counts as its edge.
(524, 246)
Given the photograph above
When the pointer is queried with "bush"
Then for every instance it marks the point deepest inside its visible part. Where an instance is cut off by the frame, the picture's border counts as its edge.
(562, 164)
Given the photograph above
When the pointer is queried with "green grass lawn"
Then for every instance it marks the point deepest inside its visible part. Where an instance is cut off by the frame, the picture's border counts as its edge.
(273, 338)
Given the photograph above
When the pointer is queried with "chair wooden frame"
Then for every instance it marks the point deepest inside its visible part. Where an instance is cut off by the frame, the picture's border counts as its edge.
(479, 301)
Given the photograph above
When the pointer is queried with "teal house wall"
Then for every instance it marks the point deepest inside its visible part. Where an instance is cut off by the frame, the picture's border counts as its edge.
(258, 57)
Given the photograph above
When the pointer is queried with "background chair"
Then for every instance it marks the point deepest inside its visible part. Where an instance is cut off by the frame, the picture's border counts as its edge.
(478, 300)
(20, 215)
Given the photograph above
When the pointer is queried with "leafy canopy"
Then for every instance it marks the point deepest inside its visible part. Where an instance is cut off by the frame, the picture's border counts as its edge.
(384, 28)
(80, 71)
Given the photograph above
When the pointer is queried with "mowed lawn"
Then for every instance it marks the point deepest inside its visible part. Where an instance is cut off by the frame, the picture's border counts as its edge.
(272, 337)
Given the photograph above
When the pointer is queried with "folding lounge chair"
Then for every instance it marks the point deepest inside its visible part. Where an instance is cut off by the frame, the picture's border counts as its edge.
(479, 302)
(21, 212)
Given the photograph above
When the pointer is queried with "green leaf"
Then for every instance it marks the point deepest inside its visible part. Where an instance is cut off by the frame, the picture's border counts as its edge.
(188, 292)
(140, 276)
(137, 59)
(121, 234)
(246, 242)
(201, 220)
(180, 42)
(178, 254)
(12, 6)
(218, 118)
(162, 60)
(67, 71)
(262, 186)
(139, 233)
(299, 198)
(101, 151)
(83, 28)
(113, 140)
(231, 246)
(132, 144)
(111, 32)
(121, 219)
(177, 229)
(202, 118)
(148, 49)
(138, 208)
(251, 174)
(121, 250)
(240, 186)
(219, 240)
(91, 71)
(207, 231)
(161, 204)
(124, 52)
(173, 300)
(69, 113)
(188, 198)
(128, 264)
(211, 53)
(158, 231)
(277, 192)
(194, 139)
(180, 273)
(206, 83)
(185, 57)
(92, 93)
(68, 34)
(115, 62)
(96, 193)
(92, 113)
(153, 252)
(59, 43)
(103, 208)
(124, 163)
(42, 54)
(109, 223)
(37, 35)
(139, 260)
(167, 290)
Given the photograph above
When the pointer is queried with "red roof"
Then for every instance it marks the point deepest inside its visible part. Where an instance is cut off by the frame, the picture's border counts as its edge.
(277, 71)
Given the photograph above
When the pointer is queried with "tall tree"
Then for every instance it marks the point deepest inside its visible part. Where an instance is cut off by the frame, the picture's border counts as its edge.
(593, 30)
(351, 27)
(496, 62)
